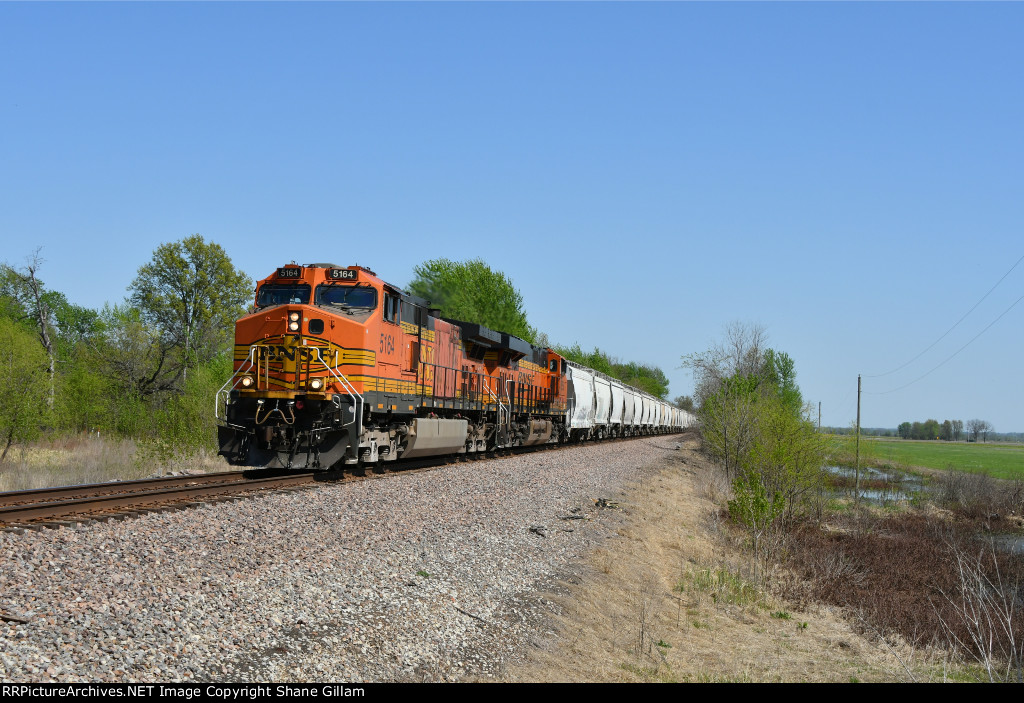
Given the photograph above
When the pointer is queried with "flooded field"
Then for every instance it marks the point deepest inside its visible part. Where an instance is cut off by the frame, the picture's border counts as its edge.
(877, 486)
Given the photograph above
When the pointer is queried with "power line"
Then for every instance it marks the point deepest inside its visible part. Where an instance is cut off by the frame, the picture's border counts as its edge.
(880, 375)
(957, 351)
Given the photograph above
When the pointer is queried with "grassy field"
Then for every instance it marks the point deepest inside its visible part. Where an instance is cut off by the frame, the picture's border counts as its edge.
(998, 460)
(72, 461)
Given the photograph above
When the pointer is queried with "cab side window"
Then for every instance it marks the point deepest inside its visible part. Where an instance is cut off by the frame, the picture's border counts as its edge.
(391, 302)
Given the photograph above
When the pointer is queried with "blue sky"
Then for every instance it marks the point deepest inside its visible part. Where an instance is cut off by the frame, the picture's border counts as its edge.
(847, 175)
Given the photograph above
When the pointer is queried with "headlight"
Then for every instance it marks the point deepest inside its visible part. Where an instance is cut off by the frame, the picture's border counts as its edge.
(293, 326)
(316, 383)
(247, 381)
(294, 316)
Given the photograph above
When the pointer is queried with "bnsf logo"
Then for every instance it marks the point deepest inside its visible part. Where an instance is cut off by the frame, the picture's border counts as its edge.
(278, 351)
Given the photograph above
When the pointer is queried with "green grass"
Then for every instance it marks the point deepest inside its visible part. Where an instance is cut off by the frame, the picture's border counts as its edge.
(723, 586)
(998, 460)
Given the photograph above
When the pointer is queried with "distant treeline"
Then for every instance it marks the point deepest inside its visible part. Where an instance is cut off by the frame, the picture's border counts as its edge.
(954, 431)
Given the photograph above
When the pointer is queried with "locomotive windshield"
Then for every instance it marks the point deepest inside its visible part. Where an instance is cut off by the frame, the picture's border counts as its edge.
(346, 296)
(272, 294)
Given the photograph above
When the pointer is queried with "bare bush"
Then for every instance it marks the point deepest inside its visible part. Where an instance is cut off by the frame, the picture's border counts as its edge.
(838, 567)
(889, 572)
(984, 616)
(715, 486)
(978, 494)
(646, 602)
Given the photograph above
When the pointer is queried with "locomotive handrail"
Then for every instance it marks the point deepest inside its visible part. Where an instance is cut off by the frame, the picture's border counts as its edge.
(235, 375)
(497, 400)
(350, 390)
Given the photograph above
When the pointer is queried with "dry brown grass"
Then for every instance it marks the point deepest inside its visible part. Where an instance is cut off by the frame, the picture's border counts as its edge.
(69, 461)
(679, 575)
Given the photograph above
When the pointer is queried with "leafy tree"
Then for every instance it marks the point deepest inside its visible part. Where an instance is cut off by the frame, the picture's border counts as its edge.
(786, 454)
(138, 359)
(649, 379)
(904, 430)
(755, 508)
(728, 421)
(85, 396)
(929, 429)
(183, 422)
(779, 372)
(23, 287)
(23, 386)
(192, 294)
(752, 417)
(976, 427)
(684, 402)
(472, 291)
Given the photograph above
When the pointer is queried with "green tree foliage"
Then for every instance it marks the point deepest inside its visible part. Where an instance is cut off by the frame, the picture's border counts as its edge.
(138, 359)
(23, 385)
(946, 430)
(684, 402)
(62, 329)
(147, 371)
(650, 379)
(183, 422)
(779, 373)
(931, 429)
(752, 418)
(70, 323)
(192, 294)
(472, 291)
(787, 455)
(756, 509)
(15, 298)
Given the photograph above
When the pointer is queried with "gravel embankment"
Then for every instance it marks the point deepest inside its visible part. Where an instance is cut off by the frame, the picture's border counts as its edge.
(429, 576)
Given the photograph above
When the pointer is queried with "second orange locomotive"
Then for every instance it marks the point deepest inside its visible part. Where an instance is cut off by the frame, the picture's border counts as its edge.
(336, 366)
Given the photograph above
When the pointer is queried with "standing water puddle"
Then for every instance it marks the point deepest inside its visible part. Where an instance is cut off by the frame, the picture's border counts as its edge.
(885, 487)
(878, 486)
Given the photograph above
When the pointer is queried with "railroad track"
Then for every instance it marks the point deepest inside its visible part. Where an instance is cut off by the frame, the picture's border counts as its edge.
(52, 507)
(100, 500)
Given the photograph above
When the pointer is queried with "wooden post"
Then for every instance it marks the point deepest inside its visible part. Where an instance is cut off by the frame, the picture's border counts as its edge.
(857, 465)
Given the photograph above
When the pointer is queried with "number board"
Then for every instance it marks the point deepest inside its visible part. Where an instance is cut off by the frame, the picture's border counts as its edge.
(342, 274)
(289, 273)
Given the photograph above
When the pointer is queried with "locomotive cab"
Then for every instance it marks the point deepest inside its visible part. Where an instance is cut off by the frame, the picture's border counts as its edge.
(289, 402)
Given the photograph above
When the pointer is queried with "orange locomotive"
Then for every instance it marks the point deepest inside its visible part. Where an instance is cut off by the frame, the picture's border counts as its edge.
(335, 366)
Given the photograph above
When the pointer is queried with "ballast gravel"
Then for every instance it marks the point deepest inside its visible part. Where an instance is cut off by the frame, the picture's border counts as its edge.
(430, 576)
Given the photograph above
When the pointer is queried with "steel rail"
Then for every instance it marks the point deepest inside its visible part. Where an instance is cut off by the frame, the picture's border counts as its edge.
(85, 506)
(96, 489)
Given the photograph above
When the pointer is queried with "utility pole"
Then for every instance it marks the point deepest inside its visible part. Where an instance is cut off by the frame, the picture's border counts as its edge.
(857, 465)
(819, 417)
